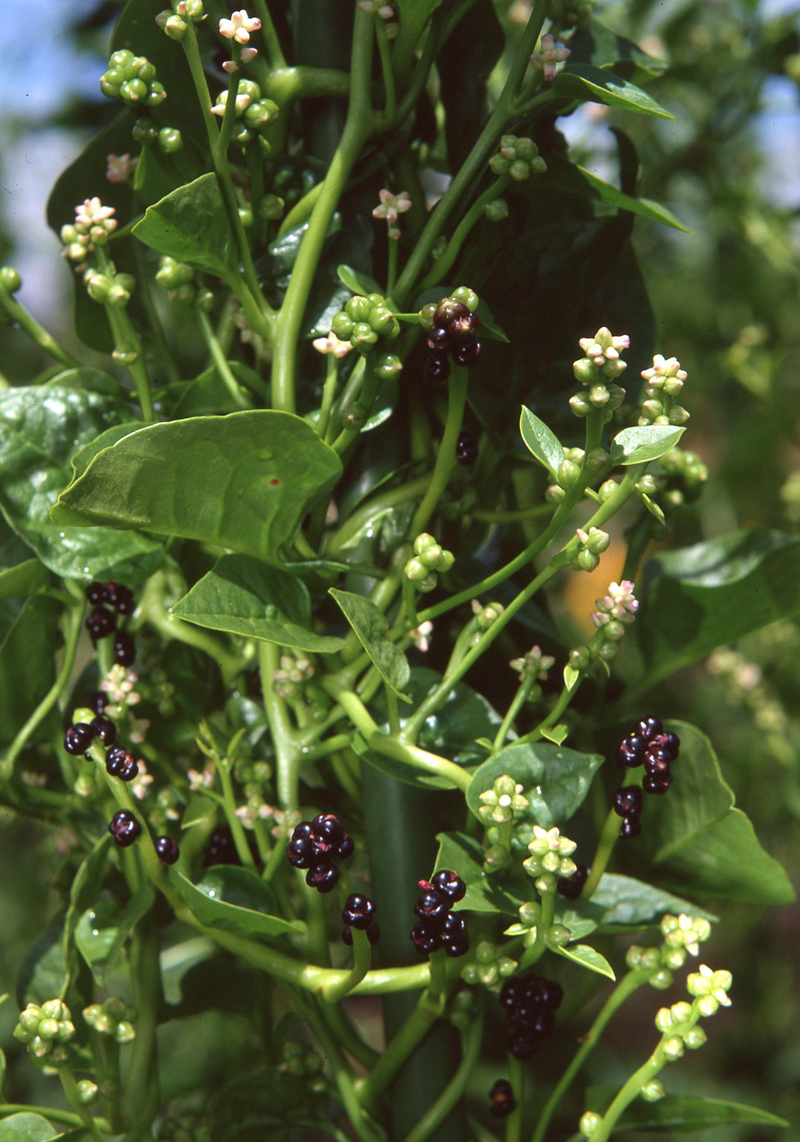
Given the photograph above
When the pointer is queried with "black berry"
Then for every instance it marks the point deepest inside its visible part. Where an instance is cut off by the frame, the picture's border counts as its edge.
(648, 727)
(120, 597)
(101, 623)
(455, 936)
(121, 764)
(427, 937)
(466, 449)
(628, 801)
(657, 765)
(124, 649)
(105, 730)
(631, 827)
(323, 876)
(437, 367)
(220, 848)
(432, 905)
(522, 1043)
(572, 886)
(78, 738)
(657, 783)
(450, 885)
(467, 351)
(439, 340)
(96, 593)
(358, 911)
(345, 848)
(167, 850)
(124, 828)
(98, 702)
(502, 1097)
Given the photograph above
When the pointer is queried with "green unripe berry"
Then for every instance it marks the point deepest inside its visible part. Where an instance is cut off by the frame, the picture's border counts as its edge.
(363, 336)
(646, 485)
(55, 1009)
(496, 211)
(169, 140)
(695, 1037)
(467, 297)
(661, 980)
(674, 958)
(580, 405)
(607, 489)
(506, 966)
(650, 959)
(117, 294)
(568, 473)
(381, 318)
(519, 170)
(97, 286)
(423, 542)
(87, 1092)
(554, 494)
(585, 560)
(144, 131)
(584, 370)
(356, 416)
(416, 570)
(156, 95)
(175, 27)
(597, 460)
(342, 325)
(124, 1032)
(426, 315)
(673, 1048)
(488, 974)
(614, 630)
(653, 1090)
(388, 366)
(589, 1123)
(428, 584)
(359, 308)
(40, 1047)
(633, 956)
(598, 395)
(496, 857)
(558, 936)
(486, 952)
(608, 651)
(133, 91)
(271, 207)
(580, 658)
(598, 541)
(469, 974)
(10, 280)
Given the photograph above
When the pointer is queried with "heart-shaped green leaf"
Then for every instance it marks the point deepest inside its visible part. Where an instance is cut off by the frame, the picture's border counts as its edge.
(648, 442)
(191, 225)
(372, 631)
(587, 957)
(598, 85)
(540, 441)
(234, 900)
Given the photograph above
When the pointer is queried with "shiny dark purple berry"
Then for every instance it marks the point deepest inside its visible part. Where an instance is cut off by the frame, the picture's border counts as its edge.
(627, 802)
(631, 827)
(467, 351)
(657, 783)
(447, 310)
(647, 727)
(101, 623)
(345, 848)
(98, 702)
(572, 886)
(301, 853)
(431, 905)
(438, 340)
(78, 738)
(466, 449)
(449, 884)
(105, 730)
(657, 766)
(328, 829)
(167, 850)
(502, 1097)
(122, 765)
(221, 848)
(437, 367)
(323, 876)
(358, 911)
(124, 828)
(120, 597)
(427, 937)
(455, 936)
(124, 649)
(96, 594)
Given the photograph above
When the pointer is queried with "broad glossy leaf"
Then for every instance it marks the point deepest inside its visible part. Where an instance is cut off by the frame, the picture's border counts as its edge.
(41, 974)
(135, 910)
(597, 44)
(25, 1127)
(629, 902)
(96, 933)
(81, 460)
(190, 224)
(464, 855)
(208, 393)
(711, 594)
(372, 631)
(540, 441)
(40, 430)
(645, 207)
(556, 781)
(83, 891)
(726, 861)
(243, 596)
(234, 900)
(583, 81)
(679, 1113)
(357, 282)
(29, 638)
(242, 481)
(587, 957)
(23, 579)
(637, 445)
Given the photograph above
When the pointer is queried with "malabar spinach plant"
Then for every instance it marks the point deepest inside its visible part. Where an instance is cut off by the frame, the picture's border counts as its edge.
(287, 667)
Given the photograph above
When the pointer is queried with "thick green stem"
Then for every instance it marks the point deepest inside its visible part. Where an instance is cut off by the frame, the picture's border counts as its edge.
(630, 1091)
(287, 754)
(605, 847)
(71, 1093)
(516, 1074)
(358, 127)
(19, 316)
(454, 1090)
(461, 233)
(234, 824)
(361, 960)
(141, 1082)
(271, 41)
(446, 456)
(404, 1043)
(218, 358)
(517, 702)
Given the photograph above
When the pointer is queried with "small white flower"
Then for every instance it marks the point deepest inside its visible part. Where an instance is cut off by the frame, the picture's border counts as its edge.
(550, 54)
(140, 783)
(120, 167)
(376, 8)
(332, 344)
(119, 685)
(202, 780)
(242, 103)
(665, 368)
(619, 603)
(137, 729)
(392, 205)
(421, 636)
(239, 26)
(533, 664)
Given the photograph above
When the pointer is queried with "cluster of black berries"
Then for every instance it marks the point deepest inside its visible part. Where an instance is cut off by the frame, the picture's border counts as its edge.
(124, 828)
(221, 848)
(314, 845)
(438, 927)
(572, 886)
(647, 744)
(101, 622)
(121, 764)
(79, 737)
(531, 1003)
(502, 1096)
(357, 913)
(466, 449)
(451, 334)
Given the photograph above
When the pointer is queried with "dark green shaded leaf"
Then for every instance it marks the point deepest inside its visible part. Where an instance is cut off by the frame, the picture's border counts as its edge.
(679, 1113)
(199, 809)
(135, 910)
(23, 579)
(587, 957)
(597, 44)
(638, 445)
(464, 64)
(234, 900)
(372, 631)
(25, 1127)
(242, 481)
(540, 441)
(242, 596)
(629, 902)
(191, 225)
(41, 974)
(96, 932)
(464, 855)
(645, 207)
(83, 891)
(208, 393)
(29, 637)
(582, 81)
(357, 282)
(556, 780)
(711, 594)
(40, 429)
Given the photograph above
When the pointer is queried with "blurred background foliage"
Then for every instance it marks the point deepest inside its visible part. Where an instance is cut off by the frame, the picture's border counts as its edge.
(726, 300)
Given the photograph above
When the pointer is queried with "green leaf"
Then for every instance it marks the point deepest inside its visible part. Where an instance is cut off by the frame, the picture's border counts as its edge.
(711, 594)
(464, 855)
(83, 891)
(556, 734)
(645, 207)
(540, 441)
(555, 779)
(135, 910)
(372, 631)
(242, 481)
(25, 1127)
(81, 460)
(638, 445)
(679, 1113)
(587, 957)
(29, 638)
(96, 933)
(727, 862)
(597, 44)
(199, 809)
(208, 393)
(242, 596)
(629, 902)
(571, 677)
(41, 974)
(357, 282)
(234, 900)
(41, 427)
(582, 81)
(190, 224)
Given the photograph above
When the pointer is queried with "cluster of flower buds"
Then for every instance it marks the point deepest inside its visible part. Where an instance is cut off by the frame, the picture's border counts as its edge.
(175, 20)
(145, 132)
(533, 668)
(678, 1023)
(291, 674)
(592, 545)
(550, 858)
(113, 1017)
(664, 382)
(254, 112)
(429, 557)
(364, 320)
(109, 288)
(177, 278)
(93, 226)
(518, 158)
(530, 917)
(496, 210)
(615, 611)
(598, 369)
(486, 616)
(684, 474)
(300, 1060)
(132, 80)
(569, 471)
(46, 1029)
(683, 936)
(571, 13)
(489, 966)
(501, 803)
(549, 55)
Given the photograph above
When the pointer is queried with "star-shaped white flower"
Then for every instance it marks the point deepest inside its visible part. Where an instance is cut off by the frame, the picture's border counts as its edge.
(332, 344)
(392, 205)
(91, 212)
(120, 167)
(239, 26)
(421, 636)
(551, 53)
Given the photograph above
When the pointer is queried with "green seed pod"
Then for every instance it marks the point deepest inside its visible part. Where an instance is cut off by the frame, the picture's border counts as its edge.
(614, 630)
(380, 318)
(695, 1037)
(156, 95)
(125, 1032)
(589, 1123)
(169, 140)
(10, 280)
(426, 316)
(175, 27)
(467, 297)
(415, 570)
(496, 211)
(661, 980)
(144, 131)
(388, 366)
(133, 91)
(519, 170)
(653, 1090)
(585, 560)
(580, 658)
(607, 489)
(87, 1092)
(486, 952)
(359, 308)
(584, 370)
(558, 936)
(97, 286)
